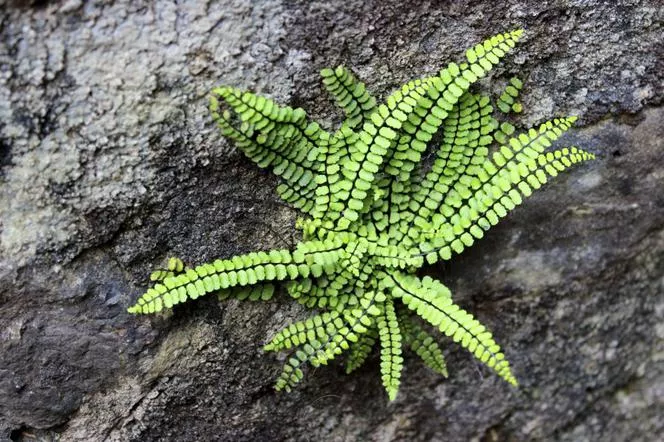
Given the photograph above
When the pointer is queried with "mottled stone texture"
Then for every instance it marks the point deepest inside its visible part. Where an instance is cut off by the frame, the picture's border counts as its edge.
(109, 163)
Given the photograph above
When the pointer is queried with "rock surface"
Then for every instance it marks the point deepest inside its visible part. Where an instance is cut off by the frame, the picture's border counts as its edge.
(109, 162)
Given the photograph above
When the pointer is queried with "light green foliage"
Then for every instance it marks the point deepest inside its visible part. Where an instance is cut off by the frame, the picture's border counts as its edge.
(424, 345)
(374, 213)
(359, 351)
(507, 101)
(391, 361)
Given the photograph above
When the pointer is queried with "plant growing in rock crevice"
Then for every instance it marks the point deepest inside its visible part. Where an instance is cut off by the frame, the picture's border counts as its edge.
(374, 213)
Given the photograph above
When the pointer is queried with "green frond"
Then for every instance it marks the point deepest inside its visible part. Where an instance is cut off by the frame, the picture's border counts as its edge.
(312, 331)
(359, 351)
(334, 153)
(173, 266)
(423, 344)
(465, 139)
(500, 189)
(311, 257)
(507, 102)
(276, 137)
(350, 94)
(363, 162)
(518, 153)
(258, 292)
(391, 361)
(502, 132)
(340, 332)
(431, 302)
(417, 115)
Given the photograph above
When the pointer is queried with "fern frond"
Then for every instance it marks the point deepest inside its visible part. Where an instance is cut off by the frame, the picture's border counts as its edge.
(482, 205)
(258, 292)
(173, 266)
(340, 332)
(313, 331)
(465, 140)
(447, 89)
(359, 351)
(312, 257)
(275, 137)
(512, 159)
(332, 154)
(433, 100)
(391, 361)
(364, 159)
(507, 101)
(430, 300)
(351, 95)
(393, 210)
(423, 344)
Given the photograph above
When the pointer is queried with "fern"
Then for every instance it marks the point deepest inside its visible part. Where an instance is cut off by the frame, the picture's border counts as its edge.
(391, 361)
(424, 345)
(374, 213)
(507, 101)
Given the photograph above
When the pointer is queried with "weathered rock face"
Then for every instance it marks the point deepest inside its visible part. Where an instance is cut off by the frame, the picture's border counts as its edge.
(109, 163)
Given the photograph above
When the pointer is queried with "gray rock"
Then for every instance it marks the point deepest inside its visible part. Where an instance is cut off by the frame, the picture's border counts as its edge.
(109, 162)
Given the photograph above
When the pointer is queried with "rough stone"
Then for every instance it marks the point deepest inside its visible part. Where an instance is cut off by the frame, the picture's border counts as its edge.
(109, 162)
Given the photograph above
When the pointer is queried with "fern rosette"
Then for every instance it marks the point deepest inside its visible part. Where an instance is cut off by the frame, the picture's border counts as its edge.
(374, 213)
